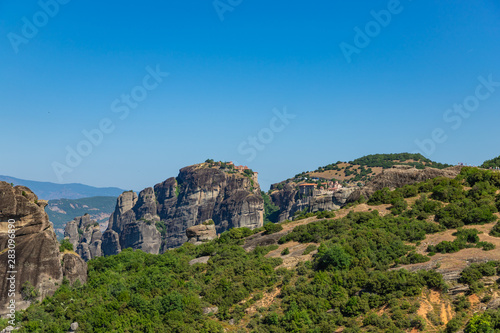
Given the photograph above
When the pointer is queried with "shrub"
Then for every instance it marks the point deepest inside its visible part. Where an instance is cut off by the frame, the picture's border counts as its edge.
(285, 251)
(272, 228)
(333, 258)
(309, 249)
(65, 245)
(29, 292)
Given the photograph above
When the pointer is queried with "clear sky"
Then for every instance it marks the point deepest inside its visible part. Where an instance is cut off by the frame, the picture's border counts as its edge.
(346, 79)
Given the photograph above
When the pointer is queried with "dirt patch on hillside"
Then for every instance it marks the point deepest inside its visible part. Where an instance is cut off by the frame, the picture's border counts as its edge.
(340, 174)
(435, 305)
(295, 256)
(267, 300)
(450, 265)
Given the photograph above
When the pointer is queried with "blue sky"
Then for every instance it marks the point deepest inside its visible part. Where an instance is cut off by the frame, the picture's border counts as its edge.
(227, 76)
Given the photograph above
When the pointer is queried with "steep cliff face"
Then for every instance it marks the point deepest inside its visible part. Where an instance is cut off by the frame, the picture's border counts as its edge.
(399, 176)
(158, 218)
(37, 260)
(85, 236)
(290, 201)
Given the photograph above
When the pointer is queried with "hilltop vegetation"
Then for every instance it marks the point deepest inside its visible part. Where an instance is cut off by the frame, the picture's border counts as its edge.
(363, 169)
(493, 163)
(386, 161)
(355, 280)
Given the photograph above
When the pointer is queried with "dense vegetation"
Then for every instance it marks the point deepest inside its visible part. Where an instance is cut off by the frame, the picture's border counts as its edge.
(388, 160)
(360, 170)
(493, 163)
(355, 280)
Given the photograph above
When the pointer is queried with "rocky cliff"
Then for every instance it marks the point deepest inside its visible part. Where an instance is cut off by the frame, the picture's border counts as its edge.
(85, 236)
(289, 200)
(157, 219)
(399, 176)
(35, 259)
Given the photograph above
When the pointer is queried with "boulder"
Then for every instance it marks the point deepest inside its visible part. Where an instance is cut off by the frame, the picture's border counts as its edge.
(199, 234)
(200, 260)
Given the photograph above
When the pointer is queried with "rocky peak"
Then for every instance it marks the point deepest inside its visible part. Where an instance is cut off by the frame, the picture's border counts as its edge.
(85, 235)
(38, 260)
(158, 218)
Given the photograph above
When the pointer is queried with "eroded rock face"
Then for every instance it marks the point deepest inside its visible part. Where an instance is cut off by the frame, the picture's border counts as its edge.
(74, 268)
(37, 257)
(85, 236)
(199, 234)
(199, 193)
(401, 176)
(290, 201)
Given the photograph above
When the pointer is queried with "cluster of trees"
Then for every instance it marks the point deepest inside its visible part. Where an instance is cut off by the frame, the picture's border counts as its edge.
(135, 291)
(465, 238)
(474, 206)
(493, 163)
(388, 160)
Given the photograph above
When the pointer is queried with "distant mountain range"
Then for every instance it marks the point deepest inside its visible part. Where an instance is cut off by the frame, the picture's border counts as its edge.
(52, 191)
(61, 211)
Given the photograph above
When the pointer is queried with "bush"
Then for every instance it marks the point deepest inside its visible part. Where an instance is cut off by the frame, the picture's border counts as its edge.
(309, 249)
(285, 251)
(479, 323)
(495, 231)
(65, 245)
(29, 292)
(333, 258)
(272, 228)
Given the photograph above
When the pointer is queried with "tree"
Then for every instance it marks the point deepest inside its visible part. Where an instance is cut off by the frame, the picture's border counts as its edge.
(65, 245)
(334, 258)
(479, 324)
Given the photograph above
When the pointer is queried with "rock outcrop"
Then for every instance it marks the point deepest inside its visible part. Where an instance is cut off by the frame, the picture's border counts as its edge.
(199, 234)
(289, 200)
(157, 219)
(85, 236)
(35, 259)
(399, 176)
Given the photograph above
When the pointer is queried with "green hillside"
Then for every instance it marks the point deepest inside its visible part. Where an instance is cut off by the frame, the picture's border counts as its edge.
(388, 160)
(356, 281)
(363, 169)
(493, 163)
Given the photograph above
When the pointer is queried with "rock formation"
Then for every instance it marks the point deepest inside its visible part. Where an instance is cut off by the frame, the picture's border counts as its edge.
(37, 260)
(290, 201)
(201, 233)
(158, 218)
(85, 236)
(399, 176)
